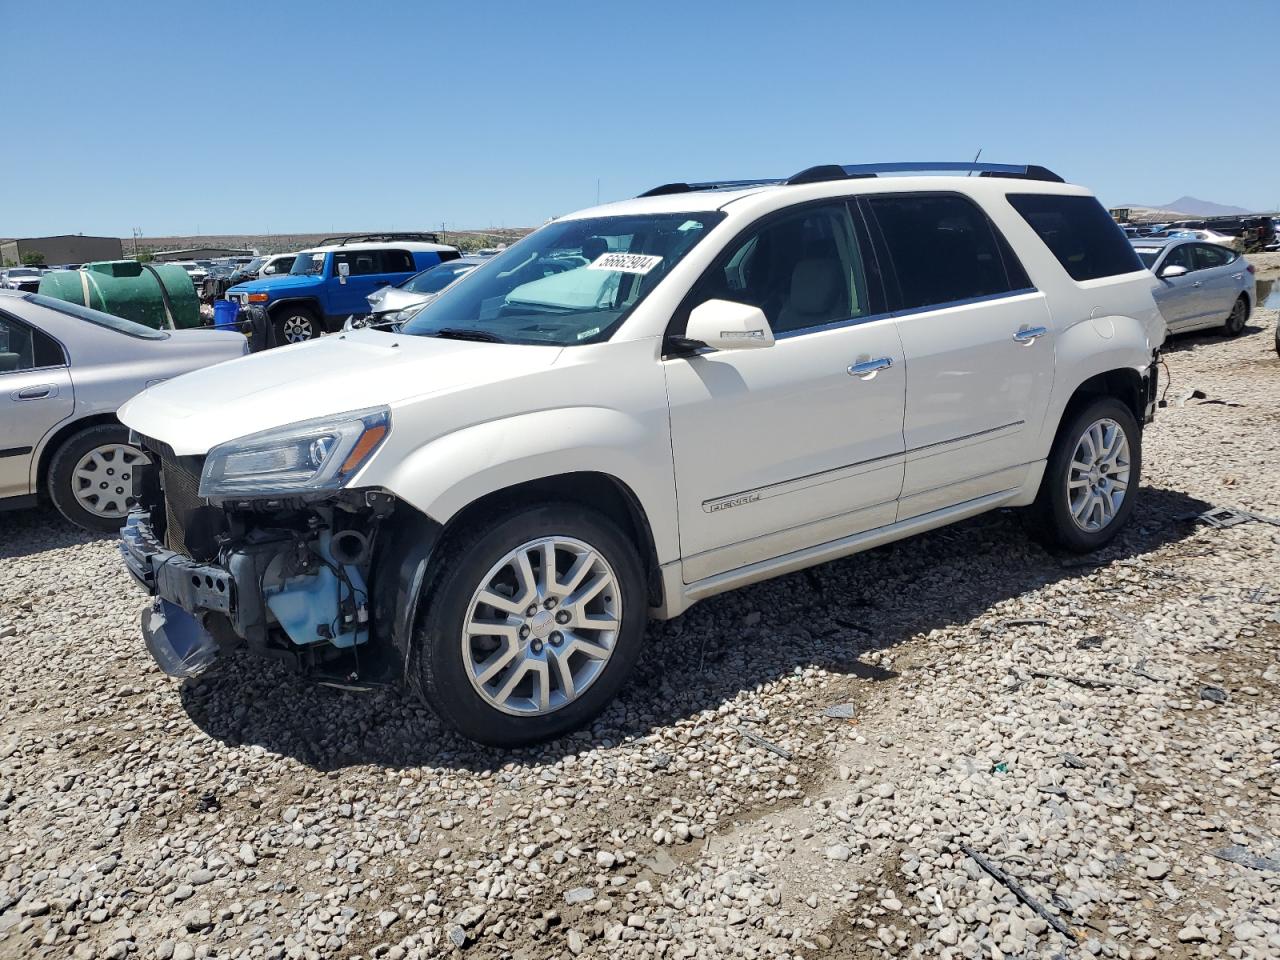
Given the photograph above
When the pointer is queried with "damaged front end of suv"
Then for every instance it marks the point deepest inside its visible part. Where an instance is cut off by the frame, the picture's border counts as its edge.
(260, 544)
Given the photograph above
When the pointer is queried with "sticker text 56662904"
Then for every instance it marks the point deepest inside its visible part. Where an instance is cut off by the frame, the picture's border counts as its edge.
(640, 263)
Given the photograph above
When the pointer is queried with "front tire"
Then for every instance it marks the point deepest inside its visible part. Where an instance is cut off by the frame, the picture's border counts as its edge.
(531, 624)
(295, 325)
(1091, 479)
(1237, 318)
(90, 477)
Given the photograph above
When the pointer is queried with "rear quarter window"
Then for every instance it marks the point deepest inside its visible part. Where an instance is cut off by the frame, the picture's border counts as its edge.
(1079, 233)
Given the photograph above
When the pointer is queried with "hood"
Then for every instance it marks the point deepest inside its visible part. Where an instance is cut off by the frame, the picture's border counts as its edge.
(396, 300)
(278, 284)
(331, 375)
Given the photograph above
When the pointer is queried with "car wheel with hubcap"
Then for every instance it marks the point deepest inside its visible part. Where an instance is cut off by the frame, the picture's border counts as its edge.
(1237, 318)
(91, 476)
(530, 625)
(296, 325)
(1091, 478)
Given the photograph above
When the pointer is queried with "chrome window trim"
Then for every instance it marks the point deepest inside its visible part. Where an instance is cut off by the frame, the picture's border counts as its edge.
(986, 298)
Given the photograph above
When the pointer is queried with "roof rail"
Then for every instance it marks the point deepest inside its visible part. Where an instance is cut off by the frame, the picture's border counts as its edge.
(376, 237)
(832, 171)
(1021, 171)
(667, 188)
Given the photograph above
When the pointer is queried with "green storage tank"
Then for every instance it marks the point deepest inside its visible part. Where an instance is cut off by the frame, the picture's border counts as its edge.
(146, 293)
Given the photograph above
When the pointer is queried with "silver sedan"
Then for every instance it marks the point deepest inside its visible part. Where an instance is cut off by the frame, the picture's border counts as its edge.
(64, 370)
(1202, 284)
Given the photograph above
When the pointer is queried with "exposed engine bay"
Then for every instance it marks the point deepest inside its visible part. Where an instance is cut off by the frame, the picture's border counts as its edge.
(286, 579)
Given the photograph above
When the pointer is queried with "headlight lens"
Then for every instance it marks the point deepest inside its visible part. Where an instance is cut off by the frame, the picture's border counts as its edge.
(316, 455)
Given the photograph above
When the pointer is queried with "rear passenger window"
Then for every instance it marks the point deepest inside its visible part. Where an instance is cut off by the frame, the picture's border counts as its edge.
(1080, 233)
(944, 249)
(397, 261)
(1207, 255)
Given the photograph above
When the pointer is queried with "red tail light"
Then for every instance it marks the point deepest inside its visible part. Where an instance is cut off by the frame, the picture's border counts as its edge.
(1250, 268)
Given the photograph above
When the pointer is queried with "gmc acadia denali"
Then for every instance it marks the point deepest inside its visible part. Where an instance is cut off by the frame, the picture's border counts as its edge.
(639, 406)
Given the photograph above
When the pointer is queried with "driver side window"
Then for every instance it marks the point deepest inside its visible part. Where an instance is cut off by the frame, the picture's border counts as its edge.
(1179, 256)
(804, 269)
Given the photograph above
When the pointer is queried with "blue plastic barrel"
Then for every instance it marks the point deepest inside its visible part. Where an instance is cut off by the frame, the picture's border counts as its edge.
(224, 313)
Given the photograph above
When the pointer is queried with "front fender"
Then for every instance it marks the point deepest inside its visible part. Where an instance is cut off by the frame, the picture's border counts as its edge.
(443, 476)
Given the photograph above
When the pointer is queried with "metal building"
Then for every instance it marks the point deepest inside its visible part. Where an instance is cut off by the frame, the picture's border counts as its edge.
(67, 248)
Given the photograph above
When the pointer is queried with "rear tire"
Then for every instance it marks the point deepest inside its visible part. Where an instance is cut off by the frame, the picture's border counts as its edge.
(295, 325)
(1091, 479)
(1237, 318)
(90, 477)
(554, 662)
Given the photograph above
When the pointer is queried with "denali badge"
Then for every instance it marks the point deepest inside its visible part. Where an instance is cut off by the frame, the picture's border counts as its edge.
(724, 503)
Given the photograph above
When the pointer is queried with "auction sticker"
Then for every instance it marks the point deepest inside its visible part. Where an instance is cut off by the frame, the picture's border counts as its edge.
(640, 263)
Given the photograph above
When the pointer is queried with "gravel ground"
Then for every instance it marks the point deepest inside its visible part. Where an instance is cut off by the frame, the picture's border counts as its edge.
(807, 768)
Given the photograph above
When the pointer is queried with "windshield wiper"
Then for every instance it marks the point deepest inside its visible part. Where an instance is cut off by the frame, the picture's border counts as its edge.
(458, 333)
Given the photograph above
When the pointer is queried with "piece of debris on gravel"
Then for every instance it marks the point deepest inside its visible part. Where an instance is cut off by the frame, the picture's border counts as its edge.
(805, 768)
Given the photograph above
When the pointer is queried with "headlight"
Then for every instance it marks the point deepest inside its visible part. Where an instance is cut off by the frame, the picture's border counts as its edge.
(306, 457)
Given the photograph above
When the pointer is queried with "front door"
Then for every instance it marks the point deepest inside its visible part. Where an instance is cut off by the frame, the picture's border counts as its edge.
(1179, 298)
(794, 445)
(35, 395)
(979, 348)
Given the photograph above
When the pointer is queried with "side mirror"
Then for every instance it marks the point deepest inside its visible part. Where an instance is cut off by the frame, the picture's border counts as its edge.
(344, 271)
(1171, 271)
(726, 325)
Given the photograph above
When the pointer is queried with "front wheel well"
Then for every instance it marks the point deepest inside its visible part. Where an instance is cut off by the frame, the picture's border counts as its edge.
(600, 491)
(61, 436)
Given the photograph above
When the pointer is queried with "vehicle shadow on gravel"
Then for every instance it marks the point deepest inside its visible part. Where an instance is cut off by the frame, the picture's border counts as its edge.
(39, 529)
(827, 616)
(1178, 342)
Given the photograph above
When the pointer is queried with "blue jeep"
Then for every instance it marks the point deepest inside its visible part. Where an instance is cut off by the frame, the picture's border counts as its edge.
(332, 281)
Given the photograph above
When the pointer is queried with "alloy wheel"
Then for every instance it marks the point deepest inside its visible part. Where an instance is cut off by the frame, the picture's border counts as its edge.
(297, 329)
(541, 626)
(102, 479)
(1098, 477)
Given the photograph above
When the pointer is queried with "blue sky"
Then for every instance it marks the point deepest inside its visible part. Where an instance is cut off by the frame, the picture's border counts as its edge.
(252, 117)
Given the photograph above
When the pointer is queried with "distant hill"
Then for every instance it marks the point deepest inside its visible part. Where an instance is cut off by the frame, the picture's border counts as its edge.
(1190, 207)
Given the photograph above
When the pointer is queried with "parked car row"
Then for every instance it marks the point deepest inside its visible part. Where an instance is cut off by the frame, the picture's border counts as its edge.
(328, 284)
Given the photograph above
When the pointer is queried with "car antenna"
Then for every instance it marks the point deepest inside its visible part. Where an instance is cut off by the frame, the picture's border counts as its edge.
(975, 160)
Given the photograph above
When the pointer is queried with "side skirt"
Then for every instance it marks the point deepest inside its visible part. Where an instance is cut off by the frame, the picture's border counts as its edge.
(679, 596)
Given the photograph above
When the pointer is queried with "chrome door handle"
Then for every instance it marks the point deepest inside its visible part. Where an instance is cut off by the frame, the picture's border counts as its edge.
(1237, 276)
(1029, 335)
(38, 392)
(866, 369)
(1197, 283)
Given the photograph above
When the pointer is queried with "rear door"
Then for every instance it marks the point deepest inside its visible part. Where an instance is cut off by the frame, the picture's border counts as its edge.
(979, 347)
(35, 395)
(1220, 273)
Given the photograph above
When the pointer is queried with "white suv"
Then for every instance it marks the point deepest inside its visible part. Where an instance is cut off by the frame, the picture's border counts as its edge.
(639, 406)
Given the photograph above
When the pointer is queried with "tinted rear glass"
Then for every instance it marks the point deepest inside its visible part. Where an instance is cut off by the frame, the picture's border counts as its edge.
(943, 249)
(1080, 233)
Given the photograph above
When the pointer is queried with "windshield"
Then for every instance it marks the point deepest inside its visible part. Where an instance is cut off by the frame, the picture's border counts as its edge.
(308, 263)
(118, 324)
(572, 282)
(1148, 255)
(434, 279)
(23, 272)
